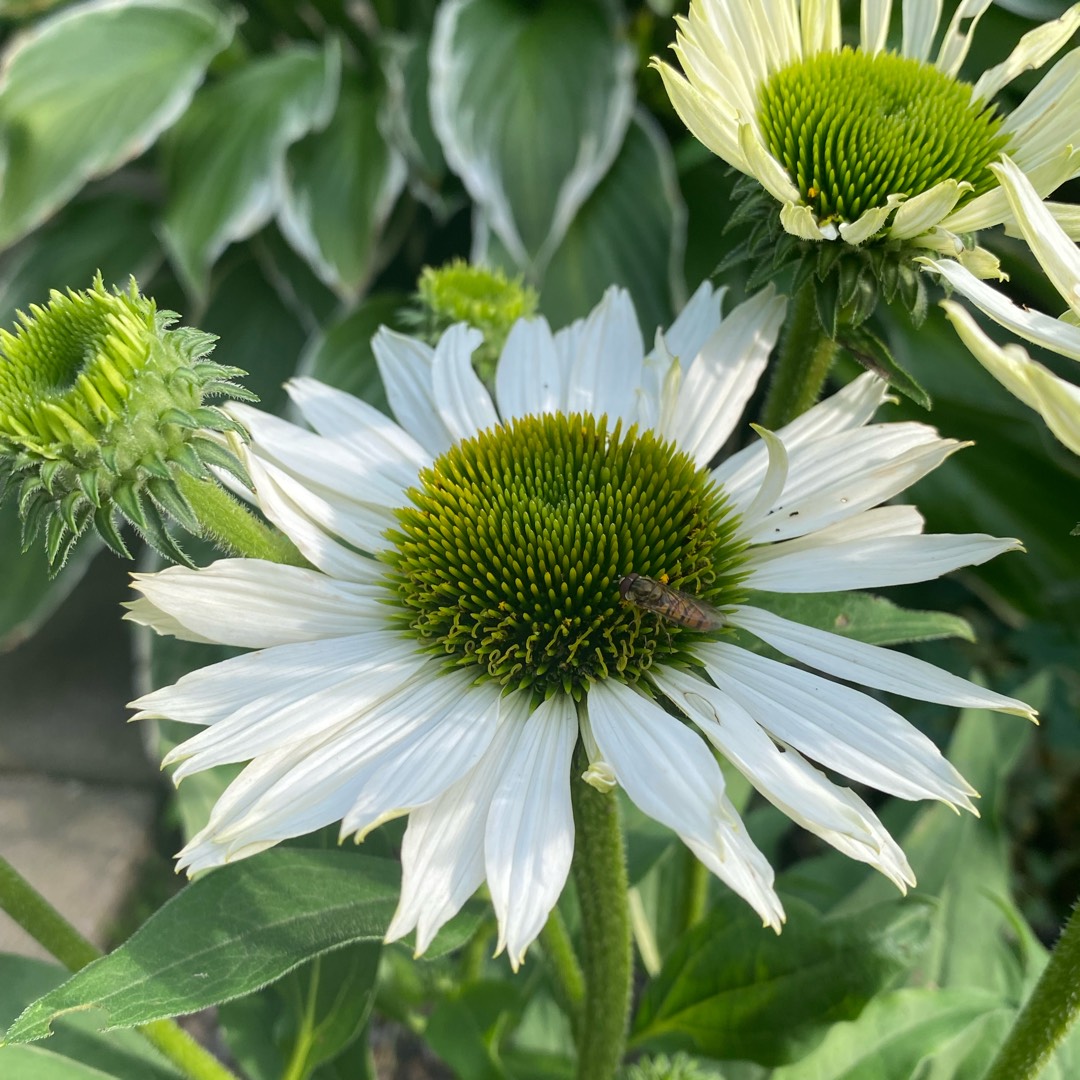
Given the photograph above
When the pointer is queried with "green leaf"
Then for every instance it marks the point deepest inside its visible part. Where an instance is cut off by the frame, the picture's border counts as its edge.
(91, 88)
(964, 861)
(224, 161)
(464, 1025)
(874, 355)
(29, 595)
(631, 231)
(228, 933)
(108, 232)
(864, 617)
(733, 990)
(341, 354)
(76, 1049)
(892, 1037)
(530, 103)
(341, 185)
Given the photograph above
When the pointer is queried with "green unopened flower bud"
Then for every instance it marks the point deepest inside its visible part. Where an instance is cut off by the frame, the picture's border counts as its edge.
(103, 414)
(485, 299)
(679, 1067)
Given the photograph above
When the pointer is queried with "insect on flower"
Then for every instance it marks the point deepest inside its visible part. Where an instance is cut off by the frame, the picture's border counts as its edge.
(671, 604)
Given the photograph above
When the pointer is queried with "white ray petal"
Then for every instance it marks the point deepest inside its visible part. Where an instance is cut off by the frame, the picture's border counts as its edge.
(460, 396)
(442, 853)
(607, 369)
(992, 207)
(313, 705)
(869, 222)
(695, 323)
(841, 728)
(764, 167)
(529, 841)
(868, 564)
(871, 665)
(211, 694)
(771, 487)
(312, 540)
(404, 753)
(354, 423)
(1055, 400)
(1057, 254)
(957, 40)
(851, 407)
(705, 121)
(920, 26)
(820, 26)
(853, 471)
(785, 778)
(924, 211)
(1031, 52)
(339, 512)
(719, 382)
(255, 604)
(671, 775)
(1041, 329)
(800, 221)
(405, 365)
(378, 472)
(528, 380)
(874, 25)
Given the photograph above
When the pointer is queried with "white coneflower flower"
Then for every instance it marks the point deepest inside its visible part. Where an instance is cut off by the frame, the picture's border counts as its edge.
(1055, 399)
(463, 623)
(866, 142)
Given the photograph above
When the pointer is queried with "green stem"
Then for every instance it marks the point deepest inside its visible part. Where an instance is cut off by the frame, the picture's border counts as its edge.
(1049, 1013)
(602, 888)
(232, 526)
(53, 932)
(695, 894)
(568, 980)
(806, 357)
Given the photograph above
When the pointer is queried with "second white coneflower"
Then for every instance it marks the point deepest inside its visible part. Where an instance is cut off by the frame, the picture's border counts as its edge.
(465, 621)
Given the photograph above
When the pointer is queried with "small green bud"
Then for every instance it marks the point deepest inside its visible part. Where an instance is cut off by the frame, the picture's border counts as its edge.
(102, 407)
(485, 299)
(679, 1067)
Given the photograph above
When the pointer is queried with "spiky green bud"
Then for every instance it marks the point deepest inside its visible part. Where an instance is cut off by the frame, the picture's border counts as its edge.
(484, 298)
(680, 1067)
(102, 410)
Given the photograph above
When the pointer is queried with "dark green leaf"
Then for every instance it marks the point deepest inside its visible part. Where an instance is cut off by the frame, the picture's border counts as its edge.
(530, 103)
(892, 1037)
(232, 931)
(224, 160)
(874, 355)
(341, 185)
(91, 88)
(731, 989)
(628, 233)
(77, 1049)
(868, 618)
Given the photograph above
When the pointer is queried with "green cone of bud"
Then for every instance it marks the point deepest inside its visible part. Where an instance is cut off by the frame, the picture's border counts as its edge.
(484, 298)
(103, 414)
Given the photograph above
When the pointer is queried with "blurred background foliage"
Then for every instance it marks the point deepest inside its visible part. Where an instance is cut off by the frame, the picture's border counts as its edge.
(279, 173)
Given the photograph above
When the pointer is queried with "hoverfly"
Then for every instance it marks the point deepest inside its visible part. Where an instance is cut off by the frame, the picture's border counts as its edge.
(671, 604)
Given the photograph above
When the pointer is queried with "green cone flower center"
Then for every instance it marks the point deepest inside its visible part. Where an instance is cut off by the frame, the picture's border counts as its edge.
(852, 129)
(512, 552)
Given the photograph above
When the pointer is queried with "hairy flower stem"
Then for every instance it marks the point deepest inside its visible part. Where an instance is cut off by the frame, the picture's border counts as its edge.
(600, 875)
(233, 527)
(54, 933)
(1051, 1010)
(806, 357)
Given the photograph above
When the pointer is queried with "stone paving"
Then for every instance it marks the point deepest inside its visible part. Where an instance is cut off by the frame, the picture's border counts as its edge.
(78, 796)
